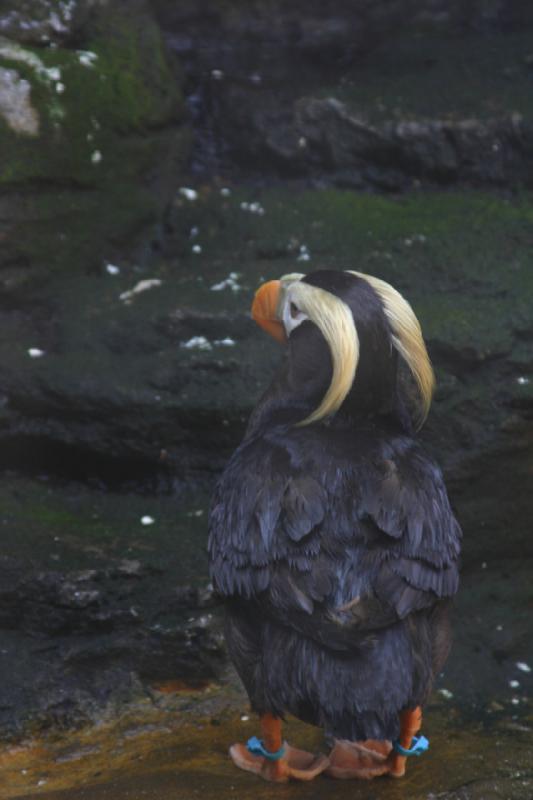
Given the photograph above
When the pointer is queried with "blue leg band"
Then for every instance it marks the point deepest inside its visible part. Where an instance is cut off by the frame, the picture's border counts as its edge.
(257, 748)
(420, 745)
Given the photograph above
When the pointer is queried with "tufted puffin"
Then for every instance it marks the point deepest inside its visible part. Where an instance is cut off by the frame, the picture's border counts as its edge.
(331, 537)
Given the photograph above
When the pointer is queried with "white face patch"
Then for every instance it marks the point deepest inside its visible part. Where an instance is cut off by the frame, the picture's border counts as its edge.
(291, 314)
(299, 302)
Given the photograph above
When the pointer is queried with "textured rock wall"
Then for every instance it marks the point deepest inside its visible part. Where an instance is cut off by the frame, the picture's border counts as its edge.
(134, 375)
(92, 134)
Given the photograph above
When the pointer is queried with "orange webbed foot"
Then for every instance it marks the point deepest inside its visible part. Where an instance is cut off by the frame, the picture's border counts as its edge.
(365, 760)
(294, 764)
(372, 758)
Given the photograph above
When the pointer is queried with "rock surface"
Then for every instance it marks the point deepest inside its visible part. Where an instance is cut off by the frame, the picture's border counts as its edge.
(166, 377)
(126, 382)
(322, 139)
(92, 135)
(42, 22)
(15, 103)
(308, 27)
(97, 604)
(175, 746)
(146, 396)
(421, 109)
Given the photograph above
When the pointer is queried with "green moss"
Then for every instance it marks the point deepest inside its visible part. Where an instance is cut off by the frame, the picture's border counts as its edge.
(74, 527)
(441, 248)
(114, 119)
(128, 89)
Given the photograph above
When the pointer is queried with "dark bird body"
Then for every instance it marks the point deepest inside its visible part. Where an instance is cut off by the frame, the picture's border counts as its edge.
(333, 543)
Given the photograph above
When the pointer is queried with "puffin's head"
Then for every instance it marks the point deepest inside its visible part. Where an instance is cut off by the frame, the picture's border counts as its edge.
(361, 326)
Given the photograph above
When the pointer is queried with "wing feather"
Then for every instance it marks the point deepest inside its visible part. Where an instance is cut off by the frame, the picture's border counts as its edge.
(336, 552)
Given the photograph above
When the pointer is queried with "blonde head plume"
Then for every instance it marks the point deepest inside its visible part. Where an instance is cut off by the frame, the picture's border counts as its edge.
(334, 319)
(407, 339)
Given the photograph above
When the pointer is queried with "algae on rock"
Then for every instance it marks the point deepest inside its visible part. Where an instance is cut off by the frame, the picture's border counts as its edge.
(96, 156)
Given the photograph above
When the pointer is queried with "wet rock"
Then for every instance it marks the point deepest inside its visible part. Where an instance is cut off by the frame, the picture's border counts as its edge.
(85, 120)
(91, 645)
(185, 323)
(95, 608)
(196, 597)
(491, 634)
(192, 363)
(212, 30)
(517, 787)
(75, 753)
(147, 392)
(136, 756)
(130, 567)
(323, 139)
(15, 103)
(41, 22)
(116, 401)
(55, 603)
(484, 15)
(157, 435)
(366, 118)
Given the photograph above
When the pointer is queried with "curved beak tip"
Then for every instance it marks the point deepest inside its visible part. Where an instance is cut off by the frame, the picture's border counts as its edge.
(264, 310)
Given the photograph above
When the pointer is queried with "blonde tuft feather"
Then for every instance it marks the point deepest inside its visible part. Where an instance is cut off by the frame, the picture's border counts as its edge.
(334, 319)
(407, 339)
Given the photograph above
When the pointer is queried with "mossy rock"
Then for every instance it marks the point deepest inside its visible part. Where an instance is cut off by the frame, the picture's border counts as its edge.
(44, 22)
(108, 141)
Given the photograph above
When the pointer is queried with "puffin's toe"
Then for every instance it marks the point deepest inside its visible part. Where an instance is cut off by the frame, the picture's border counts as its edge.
(365, 760)
(296, 764)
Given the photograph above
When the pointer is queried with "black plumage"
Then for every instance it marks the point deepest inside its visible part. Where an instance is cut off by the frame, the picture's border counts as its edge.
(334, 544)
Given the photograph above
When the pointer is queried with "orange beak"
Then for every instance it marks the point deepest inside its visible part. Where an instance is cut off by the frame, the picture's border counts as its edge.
(264, 310)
